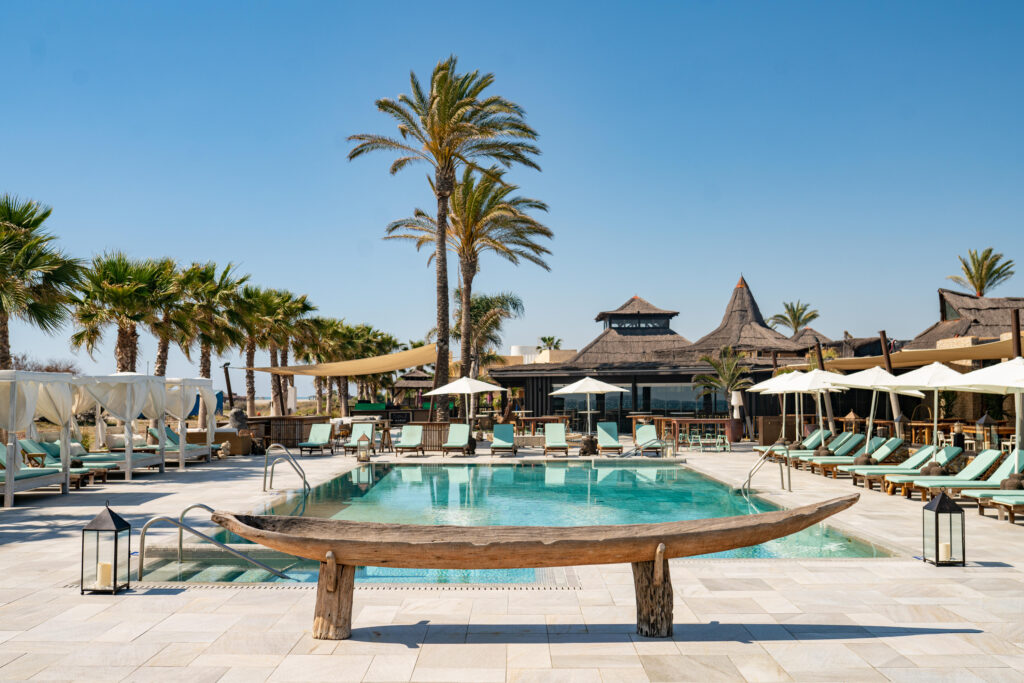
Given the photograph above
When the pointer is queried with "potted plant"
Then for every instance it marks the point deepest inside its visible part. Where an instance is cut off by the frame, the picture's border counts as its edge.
(729, 376)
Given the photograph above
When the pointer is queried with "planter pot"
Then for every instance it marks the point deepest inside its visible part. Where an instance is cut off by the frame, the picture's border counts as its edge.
(734, 430)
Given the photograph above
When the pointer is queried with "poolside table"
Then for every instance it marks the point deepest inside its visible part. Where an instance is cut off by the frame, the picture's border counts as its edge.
(545, 419)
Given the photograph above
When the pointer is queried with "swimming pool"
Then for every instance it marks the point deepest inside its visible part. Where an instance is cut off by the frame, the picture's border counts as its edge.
(552, 494)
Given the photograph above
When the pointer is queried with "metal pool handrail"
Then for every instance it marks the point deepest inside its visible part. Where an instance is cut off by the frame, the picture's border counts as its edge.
(289, 458)
(760, 463)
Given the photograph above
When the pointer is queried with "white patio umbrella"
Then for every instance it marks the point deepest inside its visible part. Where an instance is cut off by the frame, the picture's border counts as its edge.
(778, 385)
(588, 386)
(876, 379)
(934, 378)
(817, 382)
(465, 386)
(1004, 378)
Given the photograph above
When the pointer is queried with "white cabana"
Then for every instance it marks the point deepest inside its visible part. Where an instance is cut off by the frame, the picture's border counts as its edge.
(588, 386)
(875, 379)
(1004, 378)
(934, 378)
(181, 397)
(125, 396)
(23, 397)
(465, 386)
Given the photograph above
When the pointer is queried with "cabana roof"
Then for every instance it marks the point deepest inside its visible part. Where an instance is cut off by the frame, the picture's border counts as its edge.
(635, 306)
(808, 337)
(967, 315)
(743, 328)
(417, 379)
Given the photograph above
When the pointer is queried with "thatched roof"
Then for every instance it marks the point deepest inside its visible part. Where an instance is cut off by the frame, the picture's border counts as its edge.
(743, 328)
(808, 337)
(967, 315)
(417, 379)
(613, 346)
(636, 306)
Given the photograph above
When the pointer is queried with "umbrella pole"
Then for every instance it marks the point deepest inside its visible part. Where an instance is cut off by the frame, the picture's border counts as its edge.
(783, 437)
(935, 424)
(588, 417)
(871, 421)
(1018, 403)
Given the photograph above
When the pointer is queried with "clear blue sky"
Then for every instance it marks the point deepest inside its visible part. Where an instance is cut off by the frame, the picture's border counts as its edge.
(842, 153)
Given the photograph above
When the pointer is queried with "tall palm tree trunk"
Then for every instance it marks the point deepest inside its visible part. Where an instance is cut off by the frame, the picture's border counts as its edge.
(123, 349)
(330, 395)
(250, 377)
(466, 331)
(343, 395)
(444, 181)
(205, 356)
(284, 379)
(134, 364)
(275, 384)
(5, 342)
(163, 347)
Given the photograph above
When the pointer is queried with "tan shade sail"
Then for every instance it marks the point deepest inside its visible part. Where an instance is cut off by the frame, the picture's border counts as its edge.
(401, 360)
(917, 357)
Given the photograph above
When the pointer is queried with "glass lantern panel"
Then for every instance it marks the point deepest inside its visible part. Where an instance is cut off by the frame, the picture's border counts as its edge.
(123, 557)
(90, 558)
(929, 536)
(99, 560)
(956, 537)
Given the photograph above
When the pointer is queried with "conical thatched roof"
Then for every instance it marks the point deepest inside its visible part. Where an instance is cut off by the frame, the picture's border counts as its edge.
(636, 306)
(743, 328)
(417, 379)
(808, 337)
(638, 346)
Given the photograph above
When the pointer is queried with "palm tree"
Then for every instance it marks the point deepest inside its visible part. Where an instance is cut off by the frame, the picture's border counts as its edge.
(485, 217)
(452, 124)
(37, 280)
(170, 321)
(551, 343)
(116, 290)
(212, 306)
(256, 307)
(288, 310)
(983, 272)
(796, 317)
(729, 374)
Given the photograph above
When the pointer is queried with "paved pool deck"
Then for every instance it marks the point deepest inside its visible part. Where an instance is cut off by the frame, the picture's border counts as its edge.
(757, 620)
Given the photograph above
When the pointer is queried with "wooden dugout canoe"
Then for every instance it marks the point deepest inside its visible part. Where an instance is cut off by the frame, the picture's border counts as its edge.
(513, 547)
(340, 546)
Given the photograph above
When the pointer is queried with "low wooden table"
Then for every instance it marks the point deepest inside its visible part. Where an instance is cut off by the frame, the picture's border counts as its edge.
(544, 419)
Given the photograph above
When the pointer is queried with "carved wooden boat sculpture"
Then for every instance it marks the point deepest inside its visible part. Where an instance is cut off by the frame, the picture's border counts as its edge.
(341, 546)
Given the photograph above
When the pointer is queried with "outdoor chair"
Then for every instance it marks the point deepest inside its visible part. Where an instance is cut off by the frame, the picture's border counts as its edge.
(42, 454)
(608, 438)
(981, 464)
(929, 486)
(504, 439)
(319, 439)
(458, 439)
(647, 440)
(914, 464)
(359, 430)
(411, 439)
(554, 438)
(828, 464)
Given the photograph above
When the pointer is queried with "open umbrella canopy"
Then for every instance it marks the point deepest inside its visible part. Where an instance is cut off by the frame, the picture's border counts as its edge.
(875, 379)
(776, 384)
(588, 385)
(927, 378)
(465, 385)
(1004, 378)
(815, 381)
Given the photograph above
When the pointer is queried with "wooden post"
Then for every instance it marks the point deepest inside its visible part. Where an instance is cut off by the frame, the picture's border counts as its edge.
(332, 616)
(653, 584)
(828, 396)
(894, 400)
(1015, 331)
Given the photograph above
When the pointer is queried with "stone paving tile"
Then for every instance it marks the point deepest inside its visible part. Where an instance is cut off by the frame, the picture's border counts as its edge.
(310, 668)
(189, 674)
(759, 668)
(554, 676)
(690, 668)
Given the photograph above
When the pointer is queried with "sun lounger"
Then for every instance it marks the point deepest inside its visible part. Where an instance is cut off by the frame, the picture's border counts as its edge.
(193, 452)
(974, 469)
(647, 440)
(870, 474)
(458, 439)
(48, 455)
(1008, 504)
(928, 486)
(828, 465)
(359, 430)
(554, 438)
(411, 439)
(319, 439)
(27, 478)
(810, 441)
(504, 440)
(608, 438)
(839, 448)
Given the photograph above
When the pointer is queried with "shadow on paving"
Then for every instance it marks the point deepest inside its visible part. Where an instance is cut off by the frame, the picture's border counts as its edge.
(414, 635)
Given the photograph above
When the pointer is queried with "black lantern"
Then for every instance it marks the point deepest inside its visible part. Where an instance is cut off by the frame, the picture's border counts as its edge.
(943, 532)
(106, 547)
(986, 433)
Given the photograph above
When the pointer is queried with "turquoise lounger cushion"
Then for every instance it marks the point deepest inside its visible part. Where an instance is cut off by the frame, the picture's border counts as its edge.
(504, 436)
(977, 467)
(912, 464)
(554, 435)
(458, 436)
(608, 435)
(358, 431)
(319, 435)
(412, 436)
(29, 473)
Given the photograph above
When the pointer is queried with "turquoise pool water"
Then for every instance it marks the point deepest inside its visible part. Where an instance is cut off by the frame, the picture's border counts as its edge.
(569, 494)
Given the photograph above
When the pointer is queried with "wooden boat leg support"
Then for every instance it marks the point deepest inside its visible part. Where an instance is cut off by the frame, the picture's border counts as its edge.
(332, 616)
(653, 584)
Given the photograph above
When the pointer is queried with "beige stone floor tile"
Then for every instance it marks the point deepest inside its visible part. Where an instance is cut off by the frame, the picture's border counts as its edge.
(600, 661)
(207, 659)
(954, 675)
(997, 675)
(74, 672)
(186, 674)
(759, 668)
(528, 656)
(624, 675)
(391, 668)
(310, 668)
(24, 666)
(690, 668)
(824, 656)
(879, 655)
(246, 674)
(241, 641)
(465, 656)
(176, 654)
(554, 676)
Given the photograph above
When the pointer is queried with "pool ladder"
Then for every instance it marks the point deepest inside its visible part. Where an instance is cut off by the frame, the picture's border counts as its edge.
(182, 527)
(284, 456)
(785, 475)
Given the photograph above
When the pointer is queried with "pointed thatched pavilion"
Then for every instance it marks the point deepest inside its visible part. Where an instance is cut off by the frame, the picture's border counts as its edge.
(639, 351)
(809, 337)
(744, 329)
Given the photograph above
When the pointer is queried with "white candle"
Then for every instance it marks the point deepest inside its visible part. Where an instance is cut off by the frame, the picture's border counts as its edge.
(104, 575)
(945, 551)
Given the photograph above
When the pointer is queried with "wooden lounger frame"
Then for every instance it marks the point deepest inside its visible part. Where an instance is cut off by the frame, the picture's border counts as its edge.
(340, 546)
